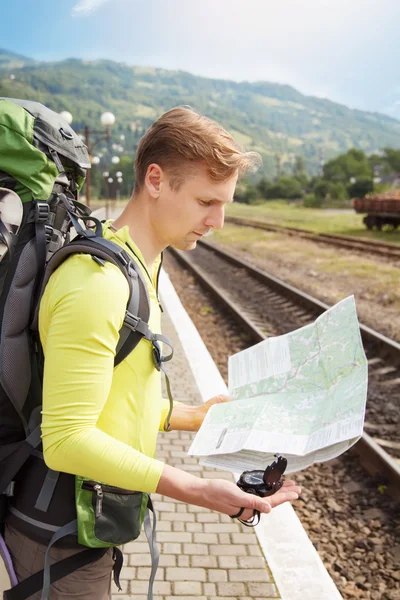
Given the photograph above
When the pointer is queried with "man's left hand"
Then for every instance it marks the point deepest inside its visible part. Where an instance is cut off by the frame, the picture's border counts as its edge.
(201, 411)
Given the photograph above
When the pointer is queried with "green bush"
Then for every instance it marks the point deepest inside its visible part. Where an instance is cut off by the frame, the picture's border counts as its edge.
(312, 201)
(247, 195)
(286, 187)
(337, 191)
(362, 186)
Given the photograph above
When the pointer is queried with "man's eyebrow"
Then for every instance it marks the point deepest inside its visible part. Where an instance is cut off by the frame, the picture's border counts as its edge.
(215, 200)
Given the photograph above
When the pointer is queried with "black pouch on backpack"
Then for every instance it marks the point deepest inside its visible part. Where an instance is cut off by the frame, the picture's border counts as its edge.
(108, 515)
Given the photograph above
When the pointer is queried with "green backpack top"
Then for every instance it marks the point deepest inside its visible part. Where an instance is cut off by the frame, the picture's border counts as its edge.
(41, 149)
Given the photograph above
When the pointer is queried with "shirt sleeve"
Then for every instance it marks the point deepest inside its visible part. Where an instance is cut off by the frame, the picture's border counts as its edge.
(79, 325)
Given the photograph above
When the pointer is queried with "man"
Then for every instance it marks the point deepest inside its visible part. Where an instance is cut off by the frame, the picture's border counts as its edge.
(101, 422)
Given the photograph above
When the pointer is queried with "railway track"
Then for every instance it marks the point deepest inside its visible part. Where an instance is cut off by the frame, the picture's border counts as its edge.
(262, 305)
(374, 247)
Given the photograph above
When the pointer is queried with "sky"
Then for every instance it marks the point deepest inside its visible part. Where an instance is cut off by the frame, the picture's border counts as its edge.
(344, 50)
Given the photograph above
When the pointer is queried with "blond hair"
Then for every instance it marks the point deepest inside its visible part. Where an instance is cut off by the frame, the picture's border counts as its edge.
(181, 140)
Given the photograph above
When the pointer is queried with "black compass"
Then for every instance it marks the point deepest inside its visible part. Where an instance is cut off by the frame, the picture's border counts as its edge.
(264, 483)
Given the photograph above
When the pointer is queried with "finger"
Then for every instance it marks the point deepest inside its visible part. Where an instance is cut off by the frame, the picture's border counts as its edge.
(222, 398)
(280, 498)
(290, 488)
(287, 482)
(247, 515)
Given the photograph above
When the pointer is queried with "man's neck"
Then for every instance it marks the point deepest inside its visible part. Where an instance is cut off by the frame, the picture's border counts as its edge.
(137, 217)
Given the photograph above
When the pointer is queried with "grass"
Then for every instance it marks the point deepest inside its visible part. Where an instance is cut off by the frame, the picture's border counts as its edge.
(279, 212)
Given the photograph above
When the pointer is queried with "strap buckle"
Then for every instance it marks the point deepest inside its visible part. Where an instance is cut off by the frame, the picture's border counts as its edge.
(9, 491)
(42, 212)
(48, 229)
(157, 356)
(131, 321)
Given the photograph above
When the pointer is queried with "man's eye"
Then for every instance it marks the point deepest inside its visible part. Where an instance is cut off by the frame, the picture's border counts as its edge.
(205, 203)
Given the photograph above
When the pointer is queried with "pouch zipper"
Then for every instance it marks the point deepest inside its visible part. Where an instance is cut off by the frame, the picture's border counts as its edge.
(99, 500)
(100, 490)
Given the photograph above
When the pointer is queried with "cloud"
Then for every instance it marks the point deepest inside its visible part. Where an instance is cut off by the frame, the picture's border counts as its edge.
(86, 7)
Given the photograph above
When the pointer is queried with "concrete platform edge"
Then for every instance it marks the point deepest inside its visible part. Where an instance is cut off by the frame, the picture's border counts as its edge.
(295, 564)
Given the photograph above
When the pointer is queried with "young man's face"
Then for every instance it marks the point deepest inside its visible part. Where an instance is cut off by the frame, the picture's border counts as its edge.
(184, 216)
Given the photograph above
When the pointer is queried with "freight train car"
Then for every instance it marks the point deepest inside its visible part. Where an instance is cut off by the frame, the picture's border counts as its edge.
(380, 209)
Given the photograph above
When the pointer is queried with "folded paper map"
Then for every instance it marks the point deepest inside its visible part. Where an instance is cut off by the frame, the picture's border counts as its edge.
(302, 395)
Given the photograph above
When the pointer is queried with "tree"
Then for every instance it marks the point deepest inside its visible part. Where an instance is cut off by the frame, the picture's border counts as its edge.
(285, 187)
(392, 159)
(361, 187)
(353, 163)
(263, 186)
(329, 190)
(247, 194)
(299, 171)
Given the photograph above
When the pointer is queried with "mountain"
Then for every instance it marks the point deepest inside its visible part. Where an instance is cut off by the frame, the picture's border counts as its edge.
(12, 60)
(273, 119)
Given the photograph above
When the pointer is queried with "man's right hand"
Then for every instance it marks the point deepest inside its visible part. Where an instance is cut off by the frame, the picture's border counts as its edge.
(227, 498)
(219, 494)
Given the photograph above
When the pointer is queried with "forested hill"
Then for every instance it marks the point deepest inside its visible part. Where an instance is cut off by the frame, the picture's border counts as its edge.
(271, 118)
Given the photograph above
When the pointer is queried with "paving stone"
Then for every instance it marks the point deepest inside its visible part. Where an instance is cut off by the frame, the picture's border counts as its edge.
(229, 562)
(171, 548)
(231, 589)
(248, 575)
(144, 573)
(187, 598)
(205, 538)
(128, 573)
(174, 536)
(242, 538)
(215, 575)
(184, 561)
(162, 588)
(210, 589)
(185, 517)
(194, 527)
(252, 562)
(195, 548)
(139, 560)
(204, 561)
(224, 528)
(186, 574)
(187, 587)
(226, 550)
(168, 560)
(121, 596)
(164, 526)
(166, 506)
(264, 590)
(210, 517)
(136, 548)
(254, 550)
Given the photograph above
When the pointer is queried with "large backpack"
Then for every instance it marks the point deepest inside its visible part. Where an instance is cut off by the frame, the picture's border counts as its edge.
(44, 162)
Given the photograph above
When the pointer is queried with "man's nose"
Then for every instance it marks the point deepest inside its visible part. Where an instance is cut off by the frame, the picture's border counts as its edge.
(215, 219)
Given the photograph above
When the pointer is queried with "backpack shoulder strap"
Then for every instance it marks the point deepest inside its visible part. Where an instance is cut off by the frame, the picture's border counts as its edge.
(138, 308)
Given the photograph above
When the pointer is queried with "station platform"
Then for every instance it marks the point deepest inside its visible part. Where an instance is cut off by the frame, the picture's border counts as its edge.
(205, 555)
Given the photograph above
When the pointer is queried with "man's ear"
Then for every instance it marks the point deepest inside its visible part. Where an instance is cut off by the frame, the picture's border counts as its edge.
(153, 180)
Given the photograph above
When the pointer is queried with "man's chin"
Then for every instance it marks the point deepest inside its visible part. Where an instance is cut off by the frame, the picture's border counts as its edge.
(185, 245)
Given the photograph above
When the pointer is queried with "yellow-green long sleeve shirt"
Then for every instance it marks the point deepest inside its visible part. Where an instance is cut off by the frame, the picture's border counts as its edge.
(97, 421)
